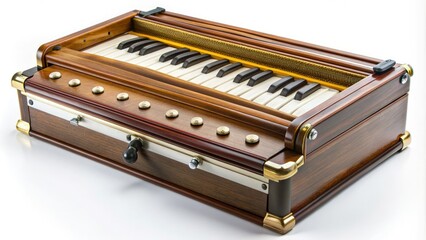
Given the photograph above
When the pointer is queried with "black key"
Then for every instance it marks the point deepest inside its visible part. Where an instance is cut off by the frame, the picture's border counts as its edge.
(280, 84)
(214, 65)
(246, 75)
(152, 48)
(170, 55)
(260, 77)
(228, 69)
(182, 57)
(139, 45)
(128, 42)
(292, 87)
(306, 91)
(194, 60)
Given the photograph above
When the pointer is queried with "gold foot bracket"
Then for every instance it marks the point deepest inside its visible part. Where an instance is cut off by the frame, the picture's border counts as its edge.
(405, 139)
(23, 127)
(279, 224)
(18, 81)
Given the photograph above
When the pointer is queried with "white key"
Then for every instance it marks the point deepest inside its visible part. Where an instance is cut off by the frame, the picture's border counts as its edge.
(315, 102)
(266, 97)
(135, 58)
(191, 75)
(159, 65)
(291, 106)
(217, 81)
(108, 44)
(260, 88)
(151, 58)
(170, 68)
(197, 67)
(279, 101)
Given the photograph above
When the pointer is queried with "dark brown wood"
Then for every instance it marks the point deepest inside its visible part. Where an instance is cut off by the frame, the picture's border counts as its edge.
(89, 36)
(347, 108)
(335, 189)
(151, 164)
(285, 41)
(231, 148)
(25, 115)
(161, 84)
(347, 154)
(261, 42)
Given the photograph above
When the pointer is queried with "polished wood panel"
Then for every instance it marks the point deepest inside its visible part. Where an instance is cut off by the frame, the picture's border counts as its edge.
(347, 108)
(25, 115)
(232, 148)
(338, 160)
(291, 48)
(150, 163)
(89, 36)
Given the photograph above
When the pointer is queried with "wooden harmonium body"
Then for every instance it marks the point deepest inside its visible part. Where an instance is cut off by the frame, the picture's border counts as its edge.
(264, 127)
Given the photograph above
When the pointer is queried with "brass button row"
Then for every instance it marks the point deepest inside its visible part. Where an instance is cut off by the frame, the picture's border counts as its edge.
(143, 105)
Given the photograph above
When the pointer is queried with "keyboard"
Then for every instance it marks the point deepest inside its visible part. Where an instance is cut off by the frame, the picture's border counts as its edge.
(288, 94)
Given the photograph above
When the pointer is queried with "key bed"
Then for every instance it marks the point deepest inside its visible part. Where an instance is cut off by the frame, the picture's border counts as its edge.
(283, 93)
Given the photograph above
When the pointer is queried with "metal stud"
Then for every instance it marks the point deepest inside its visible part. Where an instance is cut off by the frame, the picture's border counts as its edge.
(74, 82)
(98, 90)
(313, 134)
(194, 163)
(404, 78)
(172, 113)
(252, 138)
(144, 105)
(197, 121)
(223, 130)
(55, 75)
(122, 96)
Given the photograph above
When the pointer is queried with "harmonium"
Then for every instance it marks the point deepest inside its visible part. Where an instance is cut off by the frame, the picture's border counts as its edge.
(263, 127)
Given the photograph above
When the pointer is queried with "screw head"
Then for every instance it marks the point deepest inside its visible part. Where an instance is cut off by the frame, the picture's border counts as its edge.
(404, 78)
(30, 102)
(193, 164)
(197, 121)
(264, 186)
(223, 131)
(74, 82)
(98, 90)
(252, 138)
(144, 105)
(172, 113)
(313, 134)
(55, 75)
(122, 96)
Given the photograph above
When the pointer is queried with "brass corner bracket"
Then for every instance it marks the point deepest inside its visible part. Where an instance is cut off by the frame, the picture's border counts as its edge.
(279, 224)
(277, 172)
(23, 127)
(405, 139)
(409, 69)
(18, 81)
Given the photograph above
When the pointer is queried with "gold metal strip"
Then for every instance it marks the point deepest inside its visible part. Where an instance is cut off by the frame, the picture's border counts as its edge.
(280, 64)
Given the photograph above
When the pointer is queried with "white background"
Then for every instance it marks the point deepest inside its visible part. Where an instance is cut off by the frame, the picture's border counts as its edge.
(48, 193)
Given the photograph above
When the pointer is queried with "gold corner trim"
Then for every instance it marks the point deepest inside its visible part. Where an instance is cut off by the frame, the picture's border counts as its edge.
(18, 81)
(304, 131)
(405, 139)
(23, 127)
(277, 172)
(279, 224)
(409, 69)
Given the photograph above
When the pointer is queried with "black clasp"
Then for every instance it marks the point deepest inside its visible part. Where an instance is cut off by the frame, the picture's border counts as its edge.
(383, 66)
(151, 12)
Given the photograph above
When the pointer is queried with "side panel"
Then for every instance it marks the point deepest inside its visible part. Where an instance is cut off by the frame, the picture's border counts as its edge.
(338, 160)
(171, 172)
